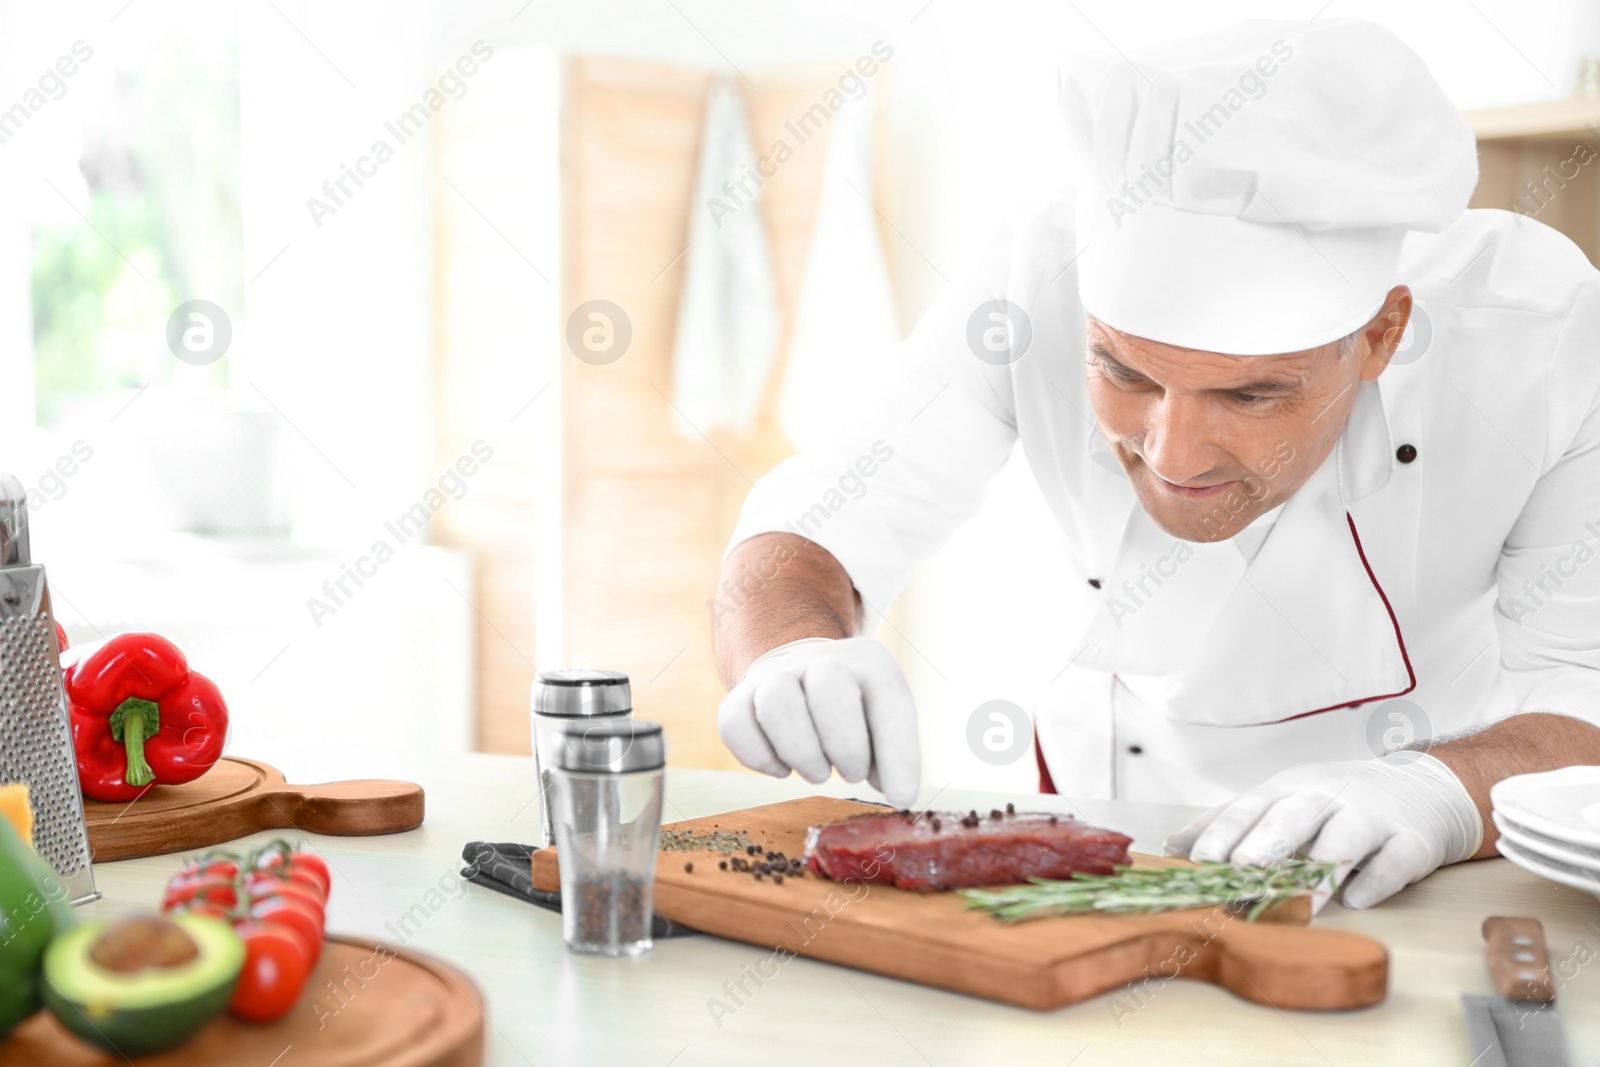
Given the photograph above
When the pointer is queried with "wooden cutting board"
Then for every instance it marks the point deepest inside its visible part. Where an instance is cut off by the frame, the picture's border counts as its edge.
(238, 797)
(1041, 964)
(395, 1008)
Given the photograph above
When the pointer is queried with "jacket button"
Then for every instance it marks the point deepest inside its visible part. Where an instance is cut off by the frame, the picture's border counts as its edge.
(1095, 582)
(1135, 749)
(1406, 453)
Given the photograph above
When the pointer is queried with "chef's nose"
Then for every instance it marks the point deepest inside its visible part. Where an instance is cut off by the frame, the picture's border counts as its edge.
(1177, 440)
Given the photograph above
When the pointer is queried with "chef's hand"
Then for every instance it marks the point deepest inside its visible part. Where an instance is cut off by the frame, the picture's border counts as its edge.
(1397, 818)
(819, 702)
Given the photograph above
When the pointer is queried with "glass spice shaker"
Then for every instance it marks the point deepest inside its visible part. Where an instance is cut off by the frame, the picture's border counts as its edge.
(606, 788)
(558, 699)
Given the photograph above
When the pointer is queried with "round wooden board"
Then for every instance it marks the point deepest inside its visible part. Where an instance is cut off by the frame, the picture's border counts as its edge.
(366, 1005)
(238, 797)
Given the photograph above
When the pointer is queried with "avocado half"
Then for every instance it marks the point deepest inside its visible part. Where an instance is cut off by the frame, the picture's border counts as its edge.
(31, 914)
(135, 987)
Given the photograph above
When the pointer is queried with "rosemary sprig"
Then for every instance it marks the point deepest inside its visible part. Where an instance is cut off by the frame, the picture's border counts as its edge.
(1134, 889)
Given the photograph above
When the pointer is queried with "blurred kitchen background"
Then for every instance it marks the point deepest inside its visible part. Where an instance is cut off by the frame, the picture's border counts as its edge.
(427, 465)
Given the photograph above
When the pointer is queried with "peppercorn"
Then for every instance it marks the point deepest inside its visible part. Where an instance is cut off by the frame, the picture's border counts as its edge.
(722, 866)
(936, 826)
(778, 878)
(758, 876)
(753, 850)
(688, 868)
(1011, 809)
(994, 813)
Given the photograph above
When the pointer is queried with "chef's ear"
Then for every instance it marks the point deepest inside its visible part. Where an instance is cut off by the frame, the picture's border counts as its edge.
(1383, 333)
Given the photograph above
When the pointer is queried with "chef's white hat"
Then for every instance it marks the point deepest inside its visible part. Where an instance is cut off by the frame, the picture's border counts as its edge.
(1246, 191)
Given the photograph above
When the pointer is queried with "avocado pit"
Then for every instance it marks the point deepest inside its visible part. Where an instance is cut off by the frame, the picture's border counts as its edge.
(140, 944)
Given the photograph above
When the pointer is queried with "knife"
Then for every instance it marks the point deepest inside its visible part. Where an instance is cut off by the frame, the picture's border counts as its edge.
(1520, 1027)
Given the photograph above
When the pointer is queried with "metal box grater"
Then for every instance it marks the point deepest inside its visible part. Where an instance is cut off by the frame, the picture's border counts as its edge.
(35, 734)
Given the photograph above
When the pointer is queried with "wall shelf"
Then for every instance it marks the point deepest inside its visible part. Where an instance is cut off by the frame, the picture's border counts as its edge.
(1543, 160)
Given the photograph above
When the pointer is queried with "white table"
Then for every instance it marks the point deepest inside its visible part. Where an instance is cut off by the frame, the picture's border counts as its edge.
(548, 1007)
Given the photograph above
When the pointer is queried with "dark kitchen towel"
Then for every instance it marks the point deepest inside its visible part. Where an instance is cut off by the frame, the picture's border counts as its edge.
(505, 868)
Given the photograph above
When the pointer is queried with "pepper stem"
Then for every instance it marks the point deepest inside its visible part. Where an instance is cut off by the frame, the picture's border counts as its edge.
(133, 722)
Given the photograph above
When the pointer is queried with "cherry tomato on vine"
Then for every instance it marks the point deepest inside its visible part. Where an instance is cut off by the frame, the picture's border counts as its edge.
(212, 867)
(275, 971)
(297, 915)
(218, 891)
(257, 886)
(299, 867)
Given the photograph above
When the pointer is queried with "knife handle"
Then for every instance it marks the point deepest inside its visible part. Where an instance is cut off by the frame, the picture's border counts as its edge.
(1518, 962)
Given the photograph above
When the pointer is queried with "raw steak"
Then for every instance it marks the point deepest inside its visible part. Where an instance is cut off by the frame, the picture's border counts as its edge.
(948, 850)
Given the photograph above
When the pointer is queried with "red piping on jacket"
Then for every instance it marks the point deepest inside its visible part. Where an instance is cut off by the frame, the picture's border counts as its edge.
(1411, 675)
(1047, 784)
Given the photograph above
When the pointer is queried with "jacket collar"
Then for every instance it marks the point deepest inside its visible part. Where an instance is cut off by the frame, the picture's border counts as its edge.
(1365, 452)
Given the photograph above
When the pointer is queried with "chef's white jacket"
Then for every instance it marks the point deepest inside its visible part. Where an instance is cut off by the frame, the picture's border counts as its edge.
(1435, 573)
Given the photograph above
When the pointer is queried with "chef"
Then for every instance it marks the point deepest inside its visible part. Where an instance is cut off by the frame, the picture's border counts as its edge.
(1324, 445)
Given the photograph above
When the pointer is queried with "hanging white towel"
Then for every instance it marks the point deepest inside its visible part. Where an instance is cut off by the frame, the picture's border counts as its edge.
(728, 317)
(845, 322)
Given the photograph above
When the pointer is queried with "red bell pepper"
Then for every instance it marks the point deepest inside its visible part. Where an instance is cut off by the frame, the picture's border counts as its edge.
(141, 717)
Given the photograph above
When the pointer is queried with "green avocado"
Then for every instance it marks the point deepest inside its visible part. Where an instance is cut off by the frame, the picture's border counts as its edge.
(32, 911)
(142, 985)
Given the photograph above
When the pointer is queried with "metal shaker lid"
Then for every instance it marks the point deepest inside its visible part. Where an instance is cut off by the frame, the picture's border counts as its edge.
(612, 746)
(579, 694)
(13, 523)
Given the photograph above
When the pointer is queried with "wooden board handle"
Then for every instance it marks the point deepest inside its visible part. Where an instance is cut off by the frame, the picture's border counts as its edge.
(1301, 969)
(357, 808)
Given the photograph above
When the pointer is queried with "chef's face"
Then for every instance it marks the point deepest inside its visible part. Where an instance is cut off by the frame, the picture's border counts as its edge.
(1212, 441)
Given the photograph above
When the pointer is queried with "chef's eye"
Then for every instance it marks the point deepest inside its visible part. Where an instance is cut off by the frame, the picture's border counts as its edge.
(1121, 373)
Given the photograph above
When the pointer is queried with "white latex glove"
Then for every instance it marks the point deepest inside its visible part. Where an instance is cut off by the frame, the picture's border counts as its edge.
(819, 703)
(1398, 818)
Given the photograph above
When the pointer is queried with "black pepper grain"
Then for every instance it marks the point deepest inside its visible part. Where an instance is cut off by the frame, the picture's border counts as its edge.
(688, 868)
(936, 826)
(612, 908)
(1011, 809)
(722, 866)
(994, 813)
(778, 878)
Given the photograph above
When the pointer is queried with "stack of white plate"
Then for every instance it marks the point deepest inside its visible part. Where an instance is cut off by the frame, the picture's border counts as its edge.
(1550, 824)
